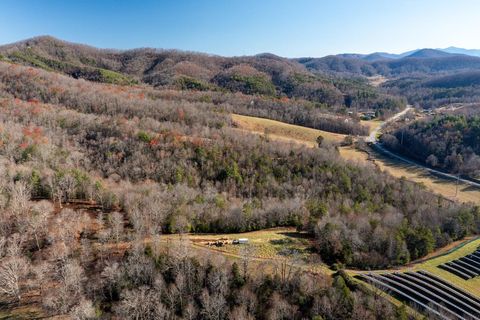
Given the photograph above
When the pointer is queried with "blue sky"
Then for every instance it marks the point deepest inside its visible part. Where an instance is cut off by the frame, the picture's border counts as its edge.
(290, 28)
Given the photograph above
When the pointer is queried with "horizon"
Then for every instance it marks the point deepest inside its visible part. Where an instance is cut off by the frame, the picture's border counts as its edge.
(303, 29)
(214, 54)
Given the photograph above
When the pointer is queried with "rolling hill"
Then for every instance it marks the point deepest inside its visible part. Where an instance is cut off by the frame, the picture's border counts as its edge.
(424, 61)
(266, 75)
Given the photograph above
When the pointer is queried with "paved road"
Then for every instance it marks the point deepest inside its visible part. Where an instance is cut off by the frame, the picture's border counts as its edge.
(373, 139)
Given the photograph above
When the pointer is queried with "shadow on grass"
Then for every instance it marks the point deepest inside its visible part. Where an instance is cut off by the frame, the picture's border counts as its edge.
(296, 235)
(422, 172)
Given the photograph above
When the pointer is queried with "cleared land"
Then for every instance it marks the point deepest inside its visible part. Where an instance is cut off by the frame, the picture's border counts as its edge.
(446, 187)
(266, 248)
(307, 136)
(264, 244)
(277, 129)
(377, 80)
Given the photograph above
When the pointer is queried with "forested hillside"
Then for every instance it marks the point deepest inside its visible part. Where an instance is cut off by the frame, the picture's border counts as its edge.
(437, 90)
(265, 75)
(122, 133)
(155, 162)
(449, 142)
(425, 61)
(426, 78)
(94, 175)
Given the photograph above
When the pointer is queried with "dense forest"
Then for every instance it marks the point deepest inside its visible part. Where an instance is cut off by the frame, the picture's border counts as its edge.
(437, 90)
(450, 142)
(426, 78)
(154, 165)
(95, 176)
(69, 129)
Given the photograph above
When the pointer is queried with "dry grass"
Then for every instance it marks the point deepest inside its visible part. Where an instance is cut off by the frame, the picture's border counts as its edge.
(371, 124)
(398, 169)
(280, 130)
(264, 244)
(377, 80)
(440, 185)
(267, 249)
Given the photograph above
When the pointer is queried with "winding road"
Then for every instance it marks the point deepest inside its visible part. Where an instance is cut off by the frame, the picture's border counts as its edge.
(375, 143)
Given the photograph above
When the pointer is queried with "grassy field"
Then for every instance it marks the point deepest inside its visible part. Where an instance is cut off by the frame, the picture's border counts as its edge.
(398, 169)
(264, 244)
(266, 248)
(371, 124)
(441, 185)
(277, 129)
(377, 80)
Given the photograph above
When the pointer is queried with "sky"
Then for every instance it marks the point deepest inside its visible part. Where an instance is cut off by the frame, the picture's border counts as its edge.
(289, 28)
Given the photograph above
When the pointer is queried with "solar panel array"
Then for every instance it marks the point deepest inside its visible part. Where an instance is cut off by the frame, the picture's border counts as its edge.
(467, 267)
(427, 293)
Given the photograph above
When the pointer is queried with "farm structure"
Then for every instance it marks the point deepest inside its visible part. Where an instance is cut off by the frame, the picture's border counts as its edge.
(240, 241)
(224, 241)
(427, 293)
(467, 267)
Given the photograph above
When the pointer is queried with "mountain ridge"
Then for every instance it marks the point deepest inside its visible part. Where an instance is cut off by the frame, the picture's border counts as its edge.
(264, 74)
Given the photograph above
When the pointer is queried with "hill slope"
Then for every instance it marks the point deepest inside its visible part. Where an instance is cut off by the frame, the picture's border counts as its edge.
(264, 75)
(426, 61)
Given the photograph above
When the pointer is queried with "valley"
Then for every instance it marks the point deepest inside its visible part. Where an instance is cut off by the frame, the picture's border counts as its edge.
(161, 184)
(441, 183)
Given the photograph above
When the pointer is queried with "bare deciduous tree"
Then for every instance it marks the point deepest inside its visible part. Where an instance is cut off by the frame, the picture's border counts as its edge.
(38, 221)
(84, 310)
(12, 271)
(116, 223)
(213, 306)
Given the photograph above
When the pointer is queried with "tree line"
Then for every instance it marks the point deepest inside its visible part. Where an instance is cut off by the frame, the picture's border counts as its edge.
(450, 142)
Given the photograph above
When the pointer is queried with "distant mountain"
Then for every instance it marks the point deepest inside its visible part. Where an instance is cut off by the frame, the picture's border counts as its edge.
(376, 56)
(385, 55)
(423, 61)
(458, 80)
(351, 55)
(428, 53)
(334, 80)
(338, 64)
(418, 53)
(261, 74)
(468, 52)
